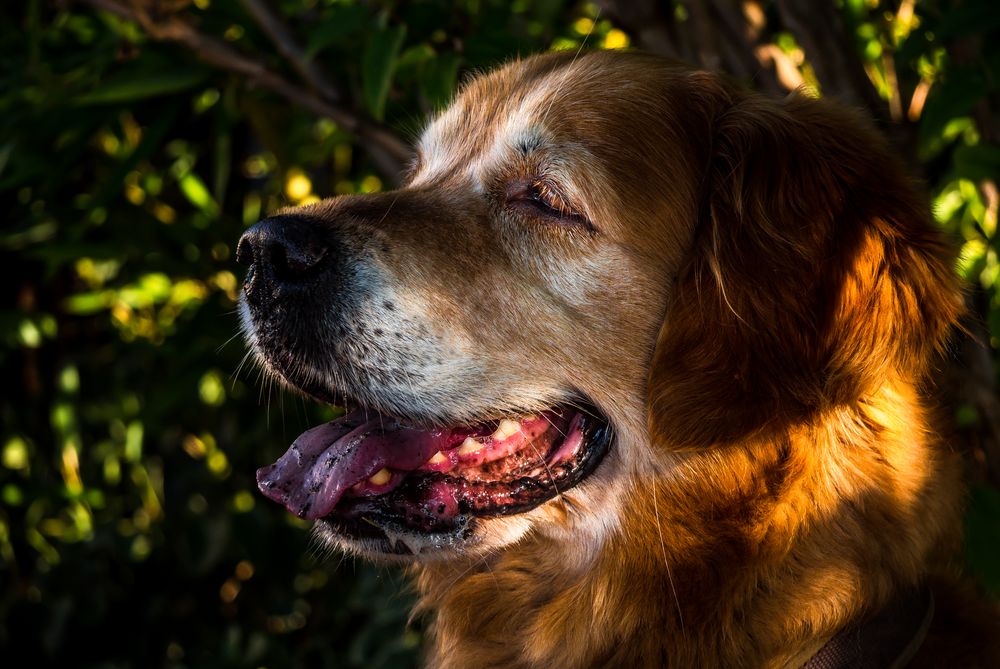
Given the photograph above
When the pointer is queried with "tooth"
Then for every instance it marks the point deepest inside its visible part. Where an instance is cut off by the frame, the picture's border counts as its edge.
(381, 477)
(506, 429)
(438, 458)
(469, 446)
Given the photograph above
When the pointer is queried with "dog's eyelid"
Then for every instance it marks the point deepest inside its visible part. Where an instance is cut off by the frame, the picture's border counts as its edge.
(549, 193)
(543, 198)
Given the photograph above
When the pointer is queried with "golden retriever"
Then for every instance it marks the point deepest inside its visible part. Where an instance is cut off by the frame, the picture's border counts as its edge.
(637, 370)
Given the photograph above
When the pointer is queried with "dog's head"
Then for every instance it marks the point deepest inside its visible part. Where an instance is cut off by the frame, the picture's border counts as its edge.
(595, 264)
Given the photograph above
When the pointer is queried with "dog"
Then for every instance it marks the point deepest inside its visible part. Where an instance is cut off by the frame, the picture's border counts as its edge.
(638, 368)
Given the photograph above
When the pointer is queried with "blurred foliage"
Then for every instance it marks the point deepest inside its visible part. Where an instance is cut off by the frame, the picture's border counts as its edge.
(131, 534)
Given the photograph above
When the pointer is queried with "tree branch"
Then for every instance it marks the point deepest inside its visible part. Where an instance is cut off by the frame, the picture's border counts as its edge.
(715, 36)
(387, 150)
(742, 47)
(282, 37)
(819, 28)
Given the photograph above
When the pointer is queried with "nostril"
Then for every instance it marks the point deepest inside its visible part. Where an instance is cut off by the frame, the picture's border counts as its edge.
(279, 260)
(244, 250)
(291, 262)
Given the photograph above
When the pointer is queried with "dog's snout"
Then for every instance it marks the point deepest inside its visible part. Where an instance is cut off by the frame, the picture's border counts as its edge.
(285, 249)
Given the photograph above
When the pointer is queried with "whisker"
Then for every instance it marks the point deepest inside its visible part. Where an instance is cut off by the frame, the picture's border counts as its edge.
(565, 76)
(228, 341)
(666, 563)
(239, 368)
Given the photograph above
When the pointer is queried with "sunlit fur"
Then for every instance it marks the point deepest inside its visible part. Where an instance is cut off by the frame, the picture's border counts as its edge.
(799, 477)
(759, 310)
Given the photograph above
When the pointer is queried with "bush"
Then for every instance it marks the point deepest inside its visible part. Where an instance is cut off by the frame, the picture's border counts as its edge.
(138, 139)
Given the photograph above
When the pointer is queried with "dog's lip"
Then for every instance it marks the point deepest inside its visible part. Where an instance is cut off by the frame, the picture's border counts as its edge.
(385, 473)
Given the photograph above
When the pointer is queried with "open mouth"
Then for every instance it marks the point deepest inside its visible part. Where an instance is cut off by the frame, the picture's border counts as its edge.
(373, 477)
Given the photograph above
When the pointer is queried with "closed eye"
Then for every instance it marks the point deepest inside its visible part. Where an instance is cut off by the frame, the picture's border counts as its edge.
(540, 198)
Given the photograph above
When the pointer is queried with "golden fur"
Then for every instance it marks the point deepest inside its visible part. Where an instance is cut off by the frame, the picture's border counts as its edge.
(758, 310)
(806, 478)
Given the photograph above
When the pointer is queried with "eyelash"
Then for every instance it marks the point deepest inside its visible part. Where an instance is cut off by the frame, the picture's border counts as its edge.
(545, 195)
(547, 202)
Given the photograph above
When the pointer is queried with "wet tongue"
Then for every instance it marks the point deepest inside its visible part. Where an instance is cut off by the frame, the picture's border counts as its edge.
(313, 474)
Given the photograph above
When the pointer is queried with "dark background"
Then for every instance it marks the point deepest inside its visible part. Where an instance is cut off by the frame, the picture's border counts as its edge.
(138, 138)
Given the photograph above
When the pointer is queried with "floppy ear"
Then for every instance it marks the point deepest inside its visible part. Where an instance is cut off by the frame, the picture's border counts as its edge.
(815, 275)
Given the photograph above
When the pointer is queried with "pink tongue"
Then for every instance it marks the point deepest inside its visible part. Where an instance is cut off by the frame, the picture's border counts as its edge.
(313, 474)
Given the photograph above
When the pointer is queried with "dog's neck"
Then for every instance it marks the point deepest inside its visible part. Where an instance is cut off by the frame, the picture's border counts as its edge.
(748, 554)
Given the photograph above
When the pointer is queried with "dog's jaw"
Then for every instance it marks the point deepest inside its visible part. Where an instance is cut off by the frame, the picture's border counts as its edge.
(701, 549)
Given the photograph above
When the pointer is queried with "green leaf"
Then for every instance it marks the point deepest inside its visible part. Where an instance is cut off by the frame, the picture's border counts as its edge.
(377, 64)
(952, 98)
(139, 84)
(83, 304)
(439, 77)
(416, 56)
(5, 150)
(343, 22)
(197, 193)
(982, 535)
(981, 161)
(23, 237)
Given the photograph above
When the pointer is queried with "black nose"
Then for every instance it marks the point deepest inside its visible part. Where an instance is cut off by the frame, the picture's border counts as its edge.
(282, 250)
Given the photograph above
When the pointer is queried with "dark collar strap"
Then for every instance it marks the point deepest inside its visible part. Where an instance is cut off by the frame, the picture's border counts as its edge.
(886, 640)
